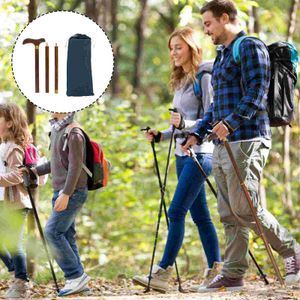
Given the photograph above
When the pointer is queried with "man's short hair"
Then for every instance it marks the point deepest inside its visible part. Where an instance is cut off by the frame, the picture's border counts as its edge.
(219, 7)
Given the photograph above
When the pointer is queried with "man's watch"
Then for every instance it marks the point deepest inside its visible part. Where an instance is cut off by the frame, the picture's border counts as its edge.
(197, 136)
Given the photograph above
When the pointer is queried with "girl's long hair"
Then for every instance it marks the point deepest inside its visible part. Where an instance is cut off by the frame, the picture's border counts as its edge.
(19, 131)
(177, 73)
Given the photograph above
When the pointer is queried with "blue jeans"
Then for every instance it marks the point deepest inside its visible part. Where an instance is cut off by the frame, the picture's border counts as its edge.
(190, 195)
(60, 233)
(7, 259)
(16, 260)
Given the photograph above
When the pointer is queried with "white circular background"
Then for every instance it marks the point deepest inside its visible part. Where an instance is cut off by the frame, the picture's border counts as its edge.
(56, 28)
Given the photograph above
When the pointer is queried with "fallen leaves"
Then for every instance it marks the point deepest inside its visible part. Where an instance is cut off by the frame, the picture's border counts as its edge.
(122, 288)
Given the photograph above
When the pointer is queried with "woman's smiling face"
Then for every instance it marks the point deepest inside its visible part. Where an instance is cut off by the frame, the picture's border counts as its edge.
(180, 52)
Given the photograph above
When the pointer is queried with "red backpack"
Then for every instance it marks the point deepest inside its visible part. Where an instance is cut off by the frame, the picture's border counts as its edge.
(97, 166)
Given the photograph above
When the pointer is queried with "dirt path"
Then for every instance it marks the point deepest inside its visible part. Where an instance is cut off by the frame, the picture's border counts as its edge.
(123, 289)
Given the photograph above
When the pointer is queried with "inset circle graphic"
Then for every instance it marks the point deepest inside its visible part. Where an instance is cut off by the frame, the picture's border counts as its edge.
(62, 61)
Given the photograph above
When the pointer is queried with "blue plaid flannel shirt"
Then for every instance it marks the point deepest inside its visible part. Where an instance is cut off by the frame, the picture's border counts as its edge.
(240, 92)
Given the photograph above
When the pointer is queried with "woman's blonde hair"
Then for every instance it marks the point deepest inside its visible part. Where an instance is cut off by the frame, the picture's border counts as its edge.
(19, 131)
(177, 74)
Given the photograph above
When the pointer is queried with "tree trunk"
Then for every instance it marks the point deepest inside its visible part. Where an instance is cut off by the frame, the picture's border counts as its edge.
(287, 196)
(92, 9)
(292, 19)
(139, 51)
(116, 47)
(104, 15)
(256, 19)
(31, 112)
(253, 22)
(170, 16)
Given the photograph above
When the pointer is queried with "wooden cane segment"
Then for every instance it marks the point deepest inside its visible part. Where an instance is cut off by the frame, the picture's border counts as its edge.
(37, 69)
(36, 43)
(254, 212)
(47, 68)
(56, 69)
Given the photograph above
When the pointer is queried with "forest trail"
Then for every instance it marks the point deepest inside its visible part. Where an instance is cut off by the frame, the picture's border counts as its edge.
(123, 289)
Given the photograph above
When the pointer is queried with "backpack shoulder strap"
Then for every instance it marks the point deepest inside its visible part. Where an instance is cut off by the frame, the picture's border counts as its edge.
(68, 130)
(236, 48)
(197, 83)
(197, 88)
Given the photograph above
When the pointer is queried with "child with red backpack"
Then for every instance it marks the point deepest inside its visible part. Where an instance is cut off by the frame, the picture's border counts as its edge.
(70, 185)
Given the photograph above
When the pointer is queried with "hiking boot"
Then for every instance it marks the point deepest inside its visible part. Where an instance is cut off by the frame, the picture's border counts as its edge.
(159, 279)
(208, 276)
(74, 286)
(292, 269)
(221, 282)
(18, 289)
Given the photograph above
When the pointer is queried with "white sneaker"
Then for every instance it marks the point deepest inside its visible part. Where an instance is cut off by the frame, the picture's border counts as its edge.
(74, 286)
(159, 281)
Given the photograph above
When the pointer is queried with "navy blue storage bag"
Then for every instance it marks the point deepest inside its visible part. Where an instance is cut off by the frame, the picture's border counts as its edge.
(79, 72)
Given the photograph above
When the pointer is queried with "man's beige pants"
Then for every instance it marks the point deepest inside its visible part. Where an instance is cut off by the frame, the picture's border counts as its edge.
(234, 210)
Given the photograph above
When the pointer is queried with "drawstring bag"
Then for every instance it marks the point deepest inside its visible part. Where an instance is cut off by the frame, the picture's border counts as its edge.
(79, 72)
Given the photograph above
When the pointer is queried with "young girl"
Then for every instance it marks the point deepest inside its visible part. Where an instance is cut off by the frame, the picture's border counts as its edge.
(190, 192)
(14, 135)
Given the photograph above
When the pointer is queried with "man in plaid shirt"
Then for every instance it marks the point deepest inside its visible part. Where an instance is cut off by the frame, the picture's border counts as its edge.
(239, 114)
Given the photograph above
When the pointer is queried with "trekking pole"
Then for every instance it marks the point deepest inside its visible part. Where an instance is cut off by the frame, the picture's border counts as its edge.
(194, 157)
(162, 191)
(28, 178)
(253, 210)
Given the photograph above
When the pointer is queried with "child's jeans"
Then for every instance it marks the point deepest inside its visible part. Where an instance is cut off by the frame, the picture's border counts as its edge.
(7, 259)
(16, 260)
(60, 233)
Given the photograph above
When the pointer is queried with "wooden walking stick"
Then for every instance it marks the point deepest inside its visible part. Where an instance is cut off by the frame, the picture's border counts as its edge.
(253, 210)
(194, 157)
(47, 68)
(56, 69)
(36, 43)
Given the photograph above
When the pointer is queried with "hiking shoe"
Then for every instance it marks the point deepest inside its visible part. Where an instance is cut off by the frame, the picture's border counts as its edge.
(18, 289)
(221, 282)
(292, 269)
(208, 276)
(159, 279)
(74, 286)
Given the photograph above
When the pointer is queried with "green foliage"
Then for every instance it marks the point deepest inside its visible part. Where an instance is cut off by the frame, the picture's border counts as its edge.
(10, 224)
